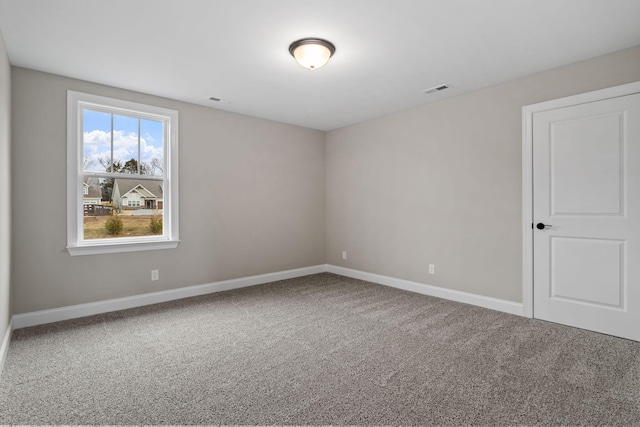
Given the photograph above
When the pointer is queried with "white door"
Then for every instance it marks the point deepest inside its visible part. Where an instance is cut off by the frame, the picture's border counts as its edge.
(586, 195)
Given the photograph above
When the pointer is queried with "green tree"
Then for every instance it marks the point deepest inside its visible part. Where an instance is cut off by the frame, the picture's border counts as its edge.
(131, 166)
(114, 225)
(155, 223)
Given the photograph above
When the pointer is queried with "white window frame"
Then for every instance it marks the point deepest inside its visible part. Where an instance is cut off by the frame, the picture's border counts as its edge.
(76, 244)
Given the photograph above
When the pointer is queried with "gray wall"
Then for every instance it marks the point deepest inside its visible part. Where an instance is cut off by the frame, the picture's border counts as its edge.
(251, 196)
(437, 184)
(5, 190)
(441, 183)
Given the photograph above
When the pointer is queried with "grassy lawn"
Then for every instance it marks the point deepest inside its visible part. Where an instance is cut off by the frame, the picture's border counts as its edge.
(137, 225)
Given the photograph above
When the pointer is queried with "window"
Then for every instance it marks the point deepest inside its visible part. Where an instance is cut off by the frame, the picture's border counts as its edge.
(122, 156)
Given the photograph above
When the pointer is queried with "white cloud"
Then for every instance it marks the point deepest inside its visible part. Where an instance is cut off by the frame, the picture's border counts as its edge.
(97, 145)
(147, 152)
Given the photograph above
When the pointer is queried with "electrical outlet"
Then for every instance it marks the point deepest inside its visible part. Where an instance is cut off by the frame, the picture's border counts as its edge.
(344, 254)
(155, 274)
(432, 269)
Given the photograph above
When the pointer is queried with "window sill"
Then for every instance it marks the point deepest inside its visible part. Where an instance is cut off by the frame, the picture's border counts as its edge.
(112, 248)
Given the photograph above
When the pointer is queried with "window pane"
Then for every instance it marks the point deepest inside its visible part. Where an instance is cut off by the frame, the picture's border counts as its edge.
(96, 140)
(95, 197)
(125, 144)
(152, 147)
(131, 208)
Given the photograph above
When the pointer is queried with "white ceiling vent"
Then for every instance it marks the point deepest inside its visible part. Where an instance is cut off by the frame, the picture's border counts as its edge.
(223, 101)
(436, 88)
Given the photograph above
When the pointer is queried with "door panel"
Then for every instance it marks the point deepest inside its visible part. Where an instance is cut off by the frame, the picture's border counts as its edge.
(587, 271)
(586, 189)
(586, 165)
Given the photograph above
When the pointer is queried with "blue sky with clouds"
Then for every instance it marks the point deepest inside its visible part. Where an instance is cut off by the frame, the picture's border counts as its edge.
(97, 139)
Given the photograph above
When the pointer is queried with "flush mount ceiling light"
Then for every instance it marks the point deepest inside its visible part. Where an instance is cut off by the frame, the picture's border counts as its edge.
(312, 53)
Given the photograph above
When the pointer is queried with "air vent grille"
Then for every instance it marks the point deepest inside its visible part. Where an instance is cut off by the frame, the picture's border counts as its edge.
(436, 88)
(220, 100)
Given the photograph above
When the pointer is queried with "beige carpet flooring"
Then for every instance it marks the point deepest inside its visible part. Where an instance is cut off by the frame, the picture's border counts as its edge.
(322, 349)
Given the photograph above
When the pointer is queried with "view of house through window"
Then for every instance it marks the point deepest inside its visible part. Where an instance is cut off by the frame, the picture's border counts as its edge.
(123, 175)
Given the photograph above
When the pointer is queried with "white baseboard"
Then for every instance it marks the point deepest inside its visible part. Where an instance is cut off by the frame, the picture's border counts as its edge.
(82, 310)
(435, 291)
(4, 348)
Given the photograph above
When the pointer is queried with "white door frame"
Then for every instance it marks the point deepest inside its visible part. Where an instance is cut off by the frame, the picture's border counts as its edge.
(527, 174)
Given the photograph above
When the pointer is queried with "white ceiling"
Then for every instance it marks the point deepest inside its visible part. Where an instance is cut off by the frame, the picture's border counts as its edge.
(387, 51)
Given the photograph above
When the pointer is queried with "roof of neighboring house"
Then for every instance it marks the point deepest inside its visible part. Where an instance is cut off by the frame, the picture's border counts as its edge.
(126, 185)
(95, 190)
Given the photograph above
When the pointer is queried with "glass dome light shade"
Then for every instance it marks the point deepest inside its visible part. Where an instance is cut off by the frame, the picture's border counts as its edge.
(312, 53)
